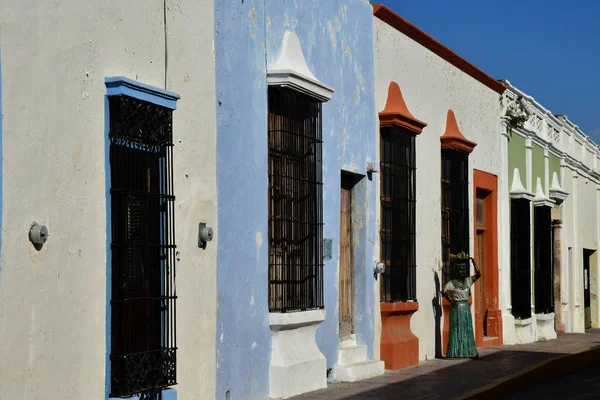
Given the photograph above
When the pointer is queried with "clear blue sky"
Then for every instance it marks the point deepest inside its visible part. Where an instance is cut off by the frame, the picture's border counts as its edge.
(549, 49)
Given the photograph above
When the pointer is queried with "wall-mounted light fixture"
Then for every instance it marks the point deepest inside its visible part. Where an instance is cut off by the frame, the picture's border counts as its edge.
(205, 234)
(371, 167)
(378, 269)
(38, 234)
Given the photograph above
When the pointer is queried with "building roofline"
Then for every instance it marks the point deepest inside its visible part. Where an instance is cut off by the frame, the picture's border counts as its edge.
(560, 120)
(394, 20)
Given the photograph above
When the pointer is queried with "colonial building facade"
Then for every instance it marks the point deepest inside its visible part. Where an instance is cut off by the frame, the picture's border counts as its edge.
(248, 200)
(109, 142)
(444, 113)
(553, 178)
(295, 264)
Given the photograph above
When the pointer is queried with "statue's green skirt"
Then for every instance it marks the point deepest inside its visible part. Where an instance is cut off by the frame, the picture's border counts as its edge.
(461, 341)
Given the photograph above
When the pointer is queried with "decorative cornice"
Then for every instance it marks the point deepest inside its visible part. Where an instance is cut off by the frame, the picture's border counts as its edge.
(564, 126)
(517, 190)
(395, 21)
(560, 122)
(540, 199)
(580, 169)
(291, 71)
(571, 126)
(120, 85)
(396, 114)
(533, 106)
(453, 138)
(556, 191)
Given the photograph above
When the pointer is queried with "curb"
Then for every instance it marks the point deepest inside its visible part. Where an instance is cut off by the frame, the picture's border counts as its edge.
(538, 373)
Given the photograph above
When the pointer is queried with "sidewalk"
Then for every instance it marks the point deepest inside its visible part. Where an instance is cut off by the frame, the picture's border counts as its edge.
(447, 379)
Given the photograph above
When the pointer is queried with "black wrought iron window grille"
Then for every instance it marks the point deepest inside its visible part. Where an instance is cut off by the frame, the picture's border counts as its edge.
(542, 258)
(520, 257)
(455, 208)
(143, 314)
(398, 215)
(295, 202)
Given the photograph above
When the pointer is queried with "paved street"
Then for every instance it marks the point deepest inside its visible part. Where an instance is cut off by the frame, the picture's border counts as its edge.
(581, 384)
(447, 379)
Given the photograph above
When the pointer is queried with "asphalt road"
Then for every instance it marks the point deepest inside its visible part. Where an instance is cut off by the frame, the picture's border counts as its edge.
(581, 384)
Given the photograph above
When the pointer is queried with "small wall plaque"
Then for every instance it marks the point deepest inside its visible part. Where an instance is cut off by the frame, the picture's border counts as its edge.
(327, 249)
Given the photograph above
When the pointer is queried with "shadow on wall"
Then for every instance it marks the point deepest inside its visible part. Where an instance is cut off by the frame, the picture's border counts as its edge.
(436, 303)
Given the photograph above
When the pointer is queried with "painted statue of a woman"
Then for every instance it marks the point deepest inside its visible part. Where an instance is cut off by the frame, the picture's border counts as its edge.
(461, 340)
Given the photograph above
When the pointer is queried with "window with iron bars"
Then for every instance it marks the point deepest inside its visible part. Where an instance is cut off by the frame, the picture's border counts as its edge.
(542, 256)
(398, 218)
(520, 258)
(295, 202)
(455, 208)
(143, 345)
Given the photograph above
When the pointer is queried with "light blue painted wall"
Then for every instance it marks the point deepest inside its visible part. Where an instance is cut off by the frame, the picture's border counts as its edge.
(337, 39)
(243, 334)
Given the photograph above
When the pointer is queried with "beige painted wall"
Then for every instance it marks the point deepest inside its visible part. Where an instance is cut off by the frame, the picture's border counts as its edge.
(55, 56)
(431, 86)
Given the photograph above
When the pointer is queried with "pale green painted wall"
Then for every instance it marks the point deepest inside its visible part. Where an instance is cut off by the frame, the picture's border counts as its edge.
(537, 164)
(517, 157)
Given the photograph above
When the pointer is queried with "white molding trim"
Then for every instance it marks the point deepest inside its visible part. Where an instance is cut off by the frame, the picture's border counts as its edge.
(523, 322)
(517, 190)
(532, 105)
(540, 199)
(556, 191)
(291, 71)
(297, 365)
(544, 317)
(545, 326)
(557, 121)
(291, 320)
(571, 135)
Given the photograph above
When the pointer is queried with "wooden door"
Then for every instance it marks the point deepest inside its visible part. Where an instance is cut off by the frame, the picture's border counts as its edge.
(346, 283)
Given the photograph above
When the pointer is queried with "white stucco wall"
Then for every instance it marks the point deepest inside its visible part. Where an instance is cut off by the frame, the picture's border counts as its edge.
(569, 256)
(587, 215)
(430, 86)
(55, 57)
(583, 227)
(574, 258)
(582, 210)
